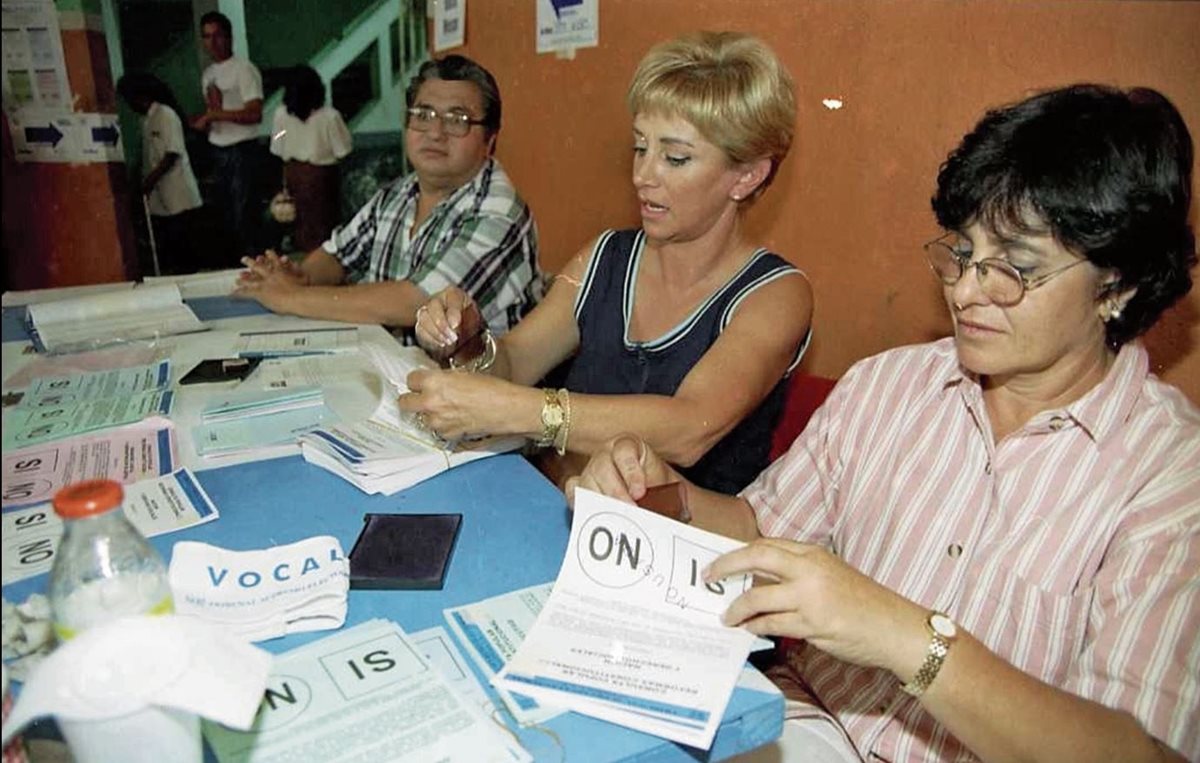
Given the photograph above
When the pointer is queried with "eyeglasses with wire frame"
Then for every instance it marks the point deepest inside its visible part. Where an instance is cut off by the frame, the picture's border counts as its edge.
(454, 123)
(999, 280)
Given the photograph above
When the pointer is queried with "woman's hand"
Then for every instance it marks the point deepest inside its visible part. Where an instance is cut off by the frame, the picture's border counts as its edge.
(623, 469)
(453, 404)
(438, 320)
(803, 591)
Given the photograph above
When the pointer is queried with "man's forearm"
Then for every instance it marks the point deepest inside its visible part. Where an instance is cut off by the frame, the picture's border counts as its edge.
(250, 114)
(390, 303)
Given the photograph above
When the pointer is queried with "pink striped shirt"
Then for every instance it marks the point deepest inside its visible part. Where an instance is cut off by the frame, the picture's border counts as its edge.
(1071, 548)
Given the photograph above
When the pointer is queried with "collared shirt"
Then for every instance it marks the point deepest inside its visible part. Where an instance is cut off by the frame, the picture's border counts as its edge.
(1071, 548)
(239, 82)
(162, 134)
(481, 238)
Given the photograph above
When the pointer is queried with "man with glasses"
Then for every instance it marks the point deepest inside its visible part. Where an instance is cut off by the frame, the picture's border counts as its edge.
(455, 220)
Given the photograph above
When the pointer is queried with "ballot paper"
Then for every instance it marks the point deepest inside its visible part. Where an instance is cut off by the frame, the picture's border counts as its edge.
(438, 648)
(55, 407)
(265, 593)
(491, 631)
(366, 693)
(95, 320)
(125, 454)
(155, 506)
(631, 633)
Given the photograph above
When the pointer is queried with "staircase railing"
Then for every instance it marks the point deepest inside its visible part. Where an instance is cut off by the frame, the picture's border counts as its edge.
(386, 24)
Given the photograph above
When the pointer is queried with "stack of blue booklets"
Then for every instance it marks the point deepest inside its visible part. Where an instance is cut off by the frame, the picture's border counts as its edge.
(260, 420)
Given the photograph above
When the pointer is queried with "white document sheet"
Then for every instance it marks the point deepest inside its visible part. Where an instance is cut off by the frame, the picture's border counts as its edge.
(213, 283)
(491, 631)
(88, 322)
(440, 651)
(154, 506)
(367, 693)
(631, 633)
(289, 342)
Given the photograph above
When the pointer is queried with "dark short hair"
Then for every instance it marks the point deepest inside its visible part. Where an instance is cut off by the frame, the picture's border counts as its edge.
(220, 19)
(304, 92)
(456, 68)
(137, 85)
(1106, 172)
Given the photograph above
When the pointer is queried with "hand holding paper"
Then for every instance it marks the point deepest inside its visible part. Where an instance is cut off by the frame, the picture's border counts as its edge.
(632, 632)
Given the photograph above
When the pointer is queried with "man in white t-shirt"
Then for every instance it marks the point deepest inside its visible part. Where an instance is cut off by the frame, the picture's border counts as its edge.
(233, 96)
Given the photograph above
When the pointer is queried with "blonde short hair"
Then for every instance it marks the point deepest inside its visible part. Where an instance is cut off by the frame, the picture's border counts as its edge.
(729, 86)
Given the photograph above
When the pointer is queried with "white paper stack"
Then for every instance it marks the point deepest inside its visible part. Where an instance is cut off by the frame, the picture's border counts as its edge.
(95, 320)
(377, 458)
(266, 593)
(389, 452)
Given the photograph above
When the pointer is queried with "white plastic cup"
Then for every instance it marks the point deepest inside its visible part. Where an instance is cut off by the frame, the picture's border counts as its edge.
(150, 735)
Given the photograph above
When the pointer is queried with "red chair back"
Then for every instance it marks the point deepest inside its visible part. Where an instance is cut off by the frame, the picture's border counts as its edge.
(805, 393)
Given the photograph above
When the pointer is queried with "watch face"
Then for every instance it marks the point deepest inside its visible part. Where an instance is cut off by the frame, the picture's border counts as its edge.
(942, 625)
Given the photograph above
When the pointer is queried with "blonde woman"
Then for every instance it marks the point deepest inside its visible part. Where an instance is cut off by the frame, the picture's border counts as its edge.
(681, 330)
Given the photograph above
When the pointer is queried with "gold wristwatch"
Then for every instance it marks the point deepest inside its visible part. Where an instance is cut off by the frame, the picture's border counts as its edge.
(942, 632)
(553, 416)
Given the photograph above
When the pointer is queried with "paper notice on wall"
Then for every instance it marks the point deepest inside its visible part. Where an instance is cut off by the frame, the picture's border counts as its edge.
(564, 25)
(35, 70)
(449, 24)
(42, 136)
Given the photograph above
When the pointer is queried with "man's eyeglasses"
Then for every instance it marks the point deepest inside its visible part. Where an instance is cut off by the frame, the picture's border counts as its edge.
(1000, 281)
(454, 123)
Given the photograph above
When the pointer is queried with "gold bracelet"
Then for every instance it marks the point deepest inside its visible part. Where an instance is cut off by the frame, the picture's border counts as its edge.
(560, 439)
(481, 362)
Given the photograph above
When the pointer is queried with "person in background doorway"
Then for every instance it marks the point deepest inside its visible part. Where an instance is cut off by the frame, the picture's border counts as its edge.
(233, 99)
(310, 138)
(168, 184)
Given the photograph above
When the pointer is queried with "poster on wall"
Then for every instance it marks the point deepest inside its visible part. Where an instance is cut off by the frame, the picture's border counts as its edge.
(449, 24)
(42, 136)
(564, 25)
(35, 71)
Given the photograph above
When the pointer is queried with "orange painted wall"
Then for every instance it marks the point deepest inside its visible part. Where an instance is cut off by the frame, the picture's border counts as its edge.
(850, 205)
(68, 224)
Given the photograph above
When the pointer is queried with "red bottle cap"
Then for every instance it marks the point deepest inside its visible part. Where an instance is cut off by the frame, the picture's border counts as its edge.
(88, 498)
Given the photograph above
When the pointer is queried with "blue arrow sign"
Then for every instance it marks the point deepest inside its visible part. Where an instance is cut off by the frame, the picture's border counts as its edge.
(48, 134)
(107, 135)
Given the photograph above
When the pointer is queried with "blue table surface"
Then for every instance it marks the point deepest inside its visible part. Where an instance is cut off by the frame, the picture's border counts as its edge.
(515, 528)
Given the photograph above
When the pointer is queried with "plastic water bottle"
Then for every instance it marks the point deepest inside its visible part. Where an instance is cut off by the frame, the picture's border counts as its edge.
(104, 568)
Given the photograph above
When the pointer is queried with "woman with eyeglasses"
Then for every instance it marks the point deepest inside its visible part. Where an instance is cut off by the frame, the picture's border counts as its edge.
(988, 547)
(681, 330)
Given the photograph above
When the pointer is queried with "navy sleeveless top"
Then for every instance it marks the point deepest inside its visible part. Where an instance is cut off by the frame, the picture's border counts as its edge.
(608, 363)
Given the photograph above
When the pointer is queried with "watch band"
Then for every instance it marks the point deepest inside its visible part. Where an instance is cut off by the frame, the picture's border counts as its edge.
(942, 633)
(552, 418)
